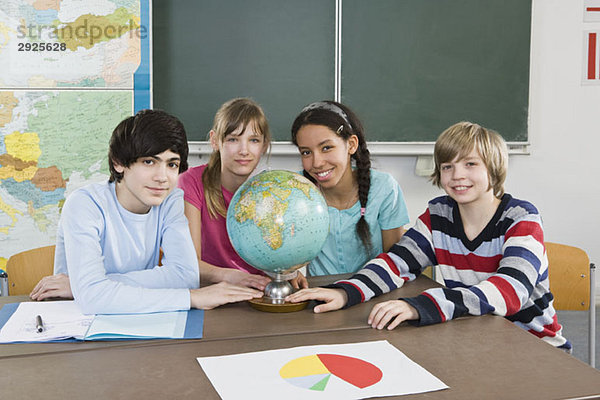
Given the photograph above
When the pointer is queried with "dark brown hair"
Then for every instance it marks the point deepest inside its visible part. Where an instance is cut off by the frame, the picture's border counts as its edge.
(344, 122)
(147, 133)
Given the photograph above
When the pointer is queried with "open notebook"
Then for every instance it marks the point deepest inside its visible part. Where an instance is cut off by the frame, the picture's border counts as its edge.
(63, 321)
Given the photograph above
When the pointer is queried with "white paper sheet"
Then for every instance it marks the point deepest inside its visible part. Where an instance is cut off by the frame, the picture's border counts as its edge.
(61, 320)
(305, 373)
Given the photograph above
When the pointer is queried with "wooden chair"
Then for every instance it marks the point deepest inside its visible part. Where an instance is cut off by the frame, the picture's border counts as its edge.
(430, 272)
(572, 282)
(25, 269)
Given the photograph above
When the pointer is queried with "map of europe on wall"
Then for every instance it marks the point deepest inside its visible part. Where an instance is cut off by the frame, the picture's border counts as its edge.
(70, 72)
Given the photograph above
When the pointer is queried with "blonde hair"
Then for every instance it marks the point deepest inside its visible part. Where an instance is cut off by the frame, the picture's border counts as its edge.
(230, 116)
(460, 139)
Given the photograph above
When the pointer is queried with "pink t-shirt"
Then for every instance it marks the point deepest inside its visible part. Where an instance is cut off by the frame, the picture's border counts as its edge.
(216, 247)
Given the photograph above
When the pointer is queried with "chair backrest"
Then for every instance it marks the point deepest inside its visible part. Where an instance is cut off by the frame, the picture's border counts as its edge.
(25, 269)
(569, 269)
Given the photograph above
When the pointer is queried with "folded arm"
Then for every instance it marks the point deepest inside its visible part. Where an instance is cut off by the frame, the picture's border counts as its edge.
(82, 257)
(405, 261)
(388, 271)
(505, 292)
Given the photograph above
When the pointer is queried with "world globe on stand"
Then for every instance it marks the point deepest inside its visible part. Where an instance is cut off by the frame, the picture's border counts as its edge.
(277, 221)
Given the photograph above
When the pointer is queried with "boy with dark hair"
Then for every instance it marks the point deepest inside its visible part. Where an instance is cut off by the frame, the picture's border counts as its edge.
(147, 133)
(110, 234)
(487, 246)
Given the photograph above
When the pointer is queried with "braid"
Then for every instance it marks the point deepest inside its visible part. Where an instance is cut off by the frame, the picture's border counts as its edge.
(334, 116)
(363, 175)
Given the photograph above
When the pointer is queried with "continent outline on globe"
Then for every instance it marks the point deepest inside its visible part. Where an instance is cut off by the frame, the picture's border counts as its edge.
(286, 211)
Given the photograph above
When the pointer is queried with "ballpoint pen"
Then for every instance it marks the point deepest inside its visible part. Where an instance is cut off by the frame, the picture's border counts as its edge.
(38, 323)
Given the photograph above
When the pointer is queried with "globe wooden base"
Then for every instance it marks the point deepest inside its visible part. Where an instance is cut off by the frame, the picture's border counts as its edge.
(265, 304)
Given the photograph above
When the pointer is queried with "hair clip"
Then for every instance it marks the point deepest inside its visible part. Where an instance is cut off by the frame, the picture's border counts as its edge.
(340, 129)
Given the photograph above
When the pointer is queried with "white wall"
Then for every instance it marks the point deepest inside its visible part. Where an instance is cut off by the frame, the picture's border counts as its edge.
(561, 176)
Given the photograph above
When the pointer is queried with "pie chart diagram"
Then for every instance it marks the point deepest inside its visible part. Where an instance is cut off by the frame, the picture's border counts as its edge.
(314, 372)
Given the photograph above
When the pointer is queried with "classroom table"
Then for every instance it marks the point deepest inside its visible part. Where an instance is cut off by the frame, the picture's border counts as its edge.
(239, 320)
(478, 357)
(235, 321)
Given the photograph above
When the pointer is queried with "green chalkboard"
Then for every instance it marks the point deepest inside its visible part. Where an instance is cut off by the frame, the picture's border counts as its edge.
(278, 52)
(410, 68)
(420, 66)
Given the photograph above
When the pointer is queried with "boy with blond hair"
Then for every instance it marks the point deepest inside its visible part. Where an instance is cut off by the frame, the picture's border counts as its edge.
(487, 245)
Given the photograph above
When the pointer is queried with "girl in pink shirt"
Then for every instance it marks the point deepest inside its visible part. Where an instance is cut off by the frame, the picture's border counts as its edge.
(239, 137)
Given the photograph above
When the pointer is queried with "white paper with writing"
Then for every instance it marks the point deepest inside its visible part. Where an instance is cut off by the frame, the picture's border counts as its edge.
(61, 320)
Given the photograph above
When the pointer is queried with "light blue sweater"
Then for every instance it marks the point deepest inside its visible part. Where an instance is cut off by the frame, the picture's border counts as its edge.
(111, 255)
(343, 251)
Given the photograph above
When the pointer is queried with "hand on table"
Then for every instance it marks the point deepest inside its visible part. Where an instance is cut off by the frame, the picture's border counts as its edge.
(52, 286)
(212, 296)
(334, 298)
(393, 312)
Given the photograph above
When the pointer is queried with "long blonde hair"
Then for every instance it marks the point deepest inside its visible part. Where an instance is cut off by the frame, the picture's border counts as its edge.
(230, 116)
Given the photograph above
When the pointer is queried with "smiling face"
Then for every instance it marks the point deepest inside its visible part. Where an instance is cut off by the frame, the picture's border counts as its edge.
(325, 155)
(240, 154)
(148, 181)
(467, 180)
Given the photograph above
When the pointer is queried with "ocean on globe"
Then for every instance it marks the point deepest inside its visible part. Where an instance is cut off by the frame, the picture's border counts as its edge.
(276, 220)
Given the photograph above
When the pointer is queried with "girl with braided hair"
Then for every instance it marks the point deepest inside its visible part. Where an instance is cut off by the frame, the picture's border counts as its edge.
(366, 207)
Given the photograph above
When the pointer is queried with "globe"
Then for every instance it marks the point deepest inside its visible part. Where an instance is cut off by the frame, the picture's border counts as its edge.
(277, 221)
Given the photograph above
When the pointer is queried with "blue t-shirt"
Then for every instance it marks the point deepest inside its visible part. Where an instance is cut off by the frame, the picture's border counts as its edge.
(343, 251)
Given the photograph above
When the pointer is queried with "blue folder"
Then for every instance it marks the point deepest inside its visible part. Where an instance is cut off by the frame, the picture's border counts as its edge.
(194, 324)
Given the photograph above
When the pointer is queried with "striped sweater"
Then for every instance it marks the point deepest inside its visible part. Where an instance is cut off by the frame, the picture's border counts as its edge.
(503, 271)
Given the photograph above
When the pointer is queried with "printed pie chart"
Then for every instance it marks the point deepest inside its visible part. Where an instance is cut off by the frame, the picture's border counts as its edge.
(313, 372)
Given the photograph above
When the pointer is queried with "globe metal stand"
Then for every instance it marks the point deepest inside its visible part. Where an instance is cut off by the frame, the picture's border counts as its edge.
(275, 293)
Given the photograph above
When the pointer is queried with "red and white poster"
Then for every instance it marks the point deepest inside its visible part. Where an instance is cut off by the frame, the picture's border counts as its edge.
(591, 58)
(591, 11)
